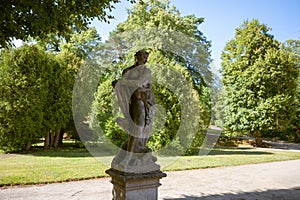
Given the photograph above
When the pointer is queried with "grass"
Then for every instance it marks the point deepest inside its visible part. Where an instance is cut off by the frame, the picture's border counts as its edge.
(47, 167)
(75, 164)
(231, 157)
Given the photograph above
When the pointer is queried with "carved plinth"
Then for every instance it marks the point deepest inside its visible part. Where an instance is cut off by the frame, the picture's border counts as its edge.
(135, 186)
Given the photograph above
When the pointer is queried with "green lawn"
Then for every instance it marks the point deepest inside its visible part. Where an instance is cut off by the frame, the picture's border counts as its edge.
(75, 164)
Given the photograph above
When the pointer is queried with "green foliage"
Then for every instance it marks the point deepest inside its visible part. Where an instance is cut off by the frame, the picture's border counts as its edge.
(37, 90)
(72, 54)
(168, 69)
(218, 107)
(44, 19)
(103, 114)
(160, 16)
(172, 149)
(259, 78)
(170, 120)
(24, 93)
(294, 47)
(80, 43)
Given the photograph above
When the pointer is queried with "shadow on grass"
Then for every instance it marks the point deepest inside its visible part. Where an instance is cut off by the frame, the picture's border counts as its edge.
(70, 152)
(229, 151)
(280, 194)
(75, 152)
(60, 152)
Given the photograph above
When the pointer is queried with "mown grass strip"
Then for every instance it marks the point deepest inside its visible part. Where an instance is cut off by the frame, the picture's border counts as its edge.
(77, 164)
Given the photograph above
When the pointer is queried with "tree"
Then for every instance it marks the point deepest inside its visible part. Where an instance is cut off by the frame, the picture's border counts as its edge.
(58, 110)
(154, 14)
(59, 107)
(21, 19)
(218, 101)
(37, 91)
(151, 25)
(259, 78)
(24, 89)
(294, 47)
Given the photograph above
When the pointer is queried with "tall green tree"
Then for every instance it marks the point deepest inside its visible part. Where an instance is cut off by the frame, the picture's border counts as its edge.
(25, 80)
(59, 108)
(149, 26)
(20, 19)
(71, 56)
(259, 78)
(160, 15)
(36, 91)
(294, 47)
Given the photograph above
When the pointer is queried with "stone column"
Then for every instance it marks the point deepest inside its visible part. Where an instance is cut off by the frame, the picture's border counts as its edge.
(135, 186)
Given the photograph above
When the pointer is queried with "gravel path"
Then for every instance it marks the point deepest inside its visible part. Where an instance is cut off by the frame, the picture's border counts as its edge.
(274, 181)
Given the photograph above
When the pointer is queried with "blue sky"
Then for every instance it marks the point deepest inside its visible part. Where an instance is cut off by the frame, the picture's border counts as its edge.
(222, 17)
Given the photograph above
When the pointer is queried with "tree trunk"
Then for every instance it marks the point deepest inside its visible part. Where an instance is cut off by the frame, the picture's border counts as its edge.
(61, 137)
(258, 138)
(47, 140)
(51, 139)
(28, 146)
(297, 136)
(56, 138)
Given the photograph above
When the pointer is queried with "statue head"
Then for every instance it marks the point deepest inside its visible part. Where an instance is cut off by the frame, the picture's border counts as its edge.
(140, 57)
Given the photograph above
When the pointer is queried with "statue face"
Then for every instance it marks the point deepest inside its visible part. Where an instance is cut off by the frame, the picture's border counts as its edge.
(141, 57)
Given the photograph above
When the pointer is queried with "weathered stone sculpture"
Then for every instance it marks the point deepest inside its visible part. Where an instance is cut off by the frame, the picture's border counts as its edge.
(136, 101)
(134, 173)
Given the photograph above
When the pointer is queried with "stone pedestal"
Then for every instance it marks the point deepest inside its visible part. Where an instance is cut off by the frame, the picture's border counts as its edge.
(135, 186)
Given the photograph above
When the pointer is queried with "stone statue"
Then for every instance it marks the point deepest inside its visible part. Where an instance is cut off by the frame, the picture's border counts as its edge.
(136, 101)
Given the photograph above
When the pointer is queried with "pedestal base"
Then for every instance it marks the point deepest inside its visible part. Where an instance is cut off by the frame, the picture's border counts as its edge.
(132, 186)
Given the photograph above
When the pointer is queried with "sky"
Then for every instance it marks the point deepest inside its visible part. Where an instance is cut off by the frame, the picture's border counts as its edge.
(222, 17)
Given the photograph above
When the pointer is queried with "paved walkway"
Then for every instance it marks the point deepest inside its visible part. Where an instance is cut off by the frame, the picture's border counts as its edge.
(274, 181)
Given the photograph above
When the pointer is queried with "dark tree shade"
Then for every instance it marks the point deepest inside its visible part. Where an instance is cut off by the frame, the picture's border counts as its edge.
(23, 18)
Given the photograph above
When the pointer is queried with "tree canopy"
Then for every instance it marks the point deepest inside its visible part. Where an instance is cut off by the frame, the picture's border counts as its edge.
(37, 91)
(294, 47)
(25, 75)
(20, 19)
(161, 15)
(259, 77)
(158, 27)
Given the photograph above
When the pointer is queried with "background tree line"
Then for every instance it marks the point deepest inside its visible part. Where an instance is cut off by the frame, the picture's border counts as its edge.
(260, 93)
(38, 80)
